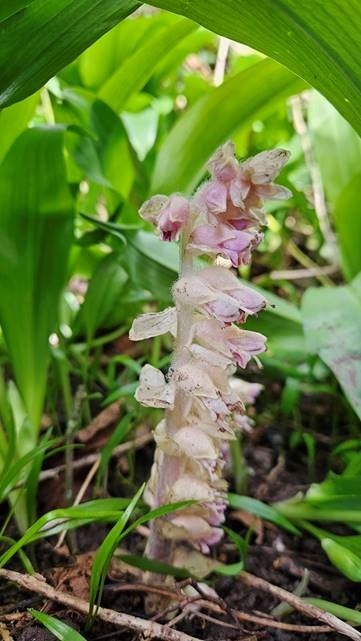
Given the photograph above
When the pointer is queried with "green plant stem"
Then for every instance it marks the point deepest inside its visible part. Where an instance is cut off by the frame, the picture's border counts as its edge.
(239, 467)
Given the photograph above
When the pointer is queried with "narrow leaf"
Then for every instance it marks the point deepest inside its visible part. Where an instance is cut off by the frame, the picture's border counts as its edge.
(240, 100)
(262, 510)
(60, 629)
(138, 68)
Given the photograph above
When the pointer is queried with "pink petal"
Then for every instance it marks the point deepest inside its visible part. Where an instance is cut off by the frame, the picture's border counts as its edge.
(223, 165)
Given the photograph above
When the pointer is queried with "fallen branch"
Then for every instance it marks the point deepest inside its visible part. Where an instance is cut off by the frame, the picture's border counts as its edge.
(297, 603)
(149, 629)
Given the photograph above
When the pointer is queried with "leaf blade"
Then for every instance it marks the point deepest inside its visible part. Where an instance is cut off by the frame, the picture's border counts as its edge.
(318, 41)
(52, 33)
(181, 159)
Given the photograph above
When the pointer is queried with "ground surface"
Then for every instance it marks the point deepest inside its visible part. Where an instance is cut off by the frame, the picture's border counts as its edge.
(275, 472)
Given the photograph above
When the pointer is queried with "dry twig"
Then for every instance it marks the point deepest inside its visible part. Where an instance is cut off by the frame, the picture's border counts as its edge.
(149, 629)
(265, 620)
(89, 460)
(297, 603)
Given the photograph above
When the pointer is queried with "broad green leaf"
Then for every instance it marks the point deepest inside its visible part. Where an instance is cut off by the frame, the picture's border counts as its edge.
(36, 233)
(141, 128)
(332, 326)
(13, 120)
(318, 40)
(58, 628)
(138, 68)
(348, 224)
(11, 7)
(48, 34)
(153, 264)
(336, 145)
(98, 63)
(214, 118)
(103, 294)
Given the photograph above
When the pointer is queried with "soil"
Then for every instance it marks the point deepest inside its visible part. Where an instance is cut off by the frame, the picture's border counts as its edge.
(275, 472)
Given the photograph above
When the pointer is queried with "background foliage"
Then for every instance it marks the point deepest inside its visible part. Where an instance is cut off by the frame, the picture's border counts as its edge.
(139, 112)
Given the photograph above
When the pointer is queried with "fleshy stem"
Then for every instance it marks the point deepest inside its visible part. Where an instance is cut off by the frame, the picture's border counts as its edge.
(171, 467)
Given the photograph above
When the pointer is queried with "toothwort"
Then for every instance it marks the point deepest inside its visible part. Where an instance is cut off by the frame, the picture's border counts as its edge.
(204, 403)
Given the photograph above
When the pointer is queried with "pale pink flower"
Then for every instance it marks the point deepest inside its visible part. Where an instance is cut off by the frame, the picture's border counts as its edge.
(169, 214)
(226, 241)
(246, 391)
(236, 193)
(232, 343)
(218, 293)
(212, 197)
(192, 528)
(223, 165)
(254, 181)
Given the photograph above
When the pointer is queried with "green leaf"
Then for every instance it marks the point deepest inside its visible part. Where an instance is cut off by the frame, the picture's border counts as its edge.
(103, 294)
(13, 120)
(262, 510)
(332, 325)
(138, 68)
(36, 234)
(318, 41)
(151, 565)
(63, 519)
(343, 559)
(337, 498)
(15, 471)
(10, 7)
(330, 132)
(105, 553)
(48, 34)
(348, 224)
(240, 100)
(97, 64)
(343, 551)
(347, 614)
(60, 629)
(152, 263)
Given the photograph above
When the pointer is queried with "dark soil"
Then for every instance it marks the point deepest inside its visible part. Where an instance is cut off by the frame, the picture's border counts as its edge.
(276, 472)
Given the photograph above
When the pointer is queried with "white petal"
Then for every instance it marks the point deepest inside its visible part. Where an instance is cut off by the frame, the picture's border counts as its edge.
(209, 356)
(195, 443)
(151, 209)
(188, 488)
(266, 165)
(246, 391)
(153, 391)
(154, 324)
